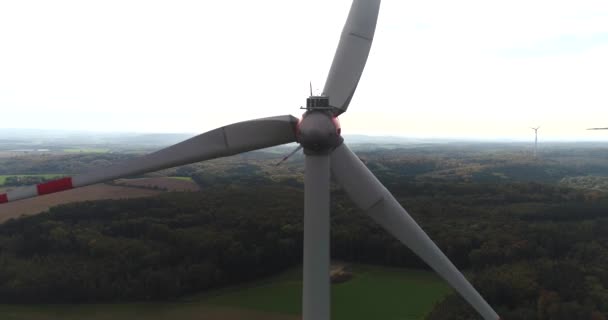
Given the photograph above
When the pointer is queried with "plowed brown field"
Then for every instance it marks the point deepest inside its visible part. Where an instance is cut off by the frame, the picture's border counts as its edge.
(94, 192)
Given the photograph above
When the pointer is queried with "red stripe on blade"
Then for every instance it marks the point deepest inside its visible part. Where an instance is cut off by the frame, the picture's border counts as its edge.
(3, 198)
(54, 186)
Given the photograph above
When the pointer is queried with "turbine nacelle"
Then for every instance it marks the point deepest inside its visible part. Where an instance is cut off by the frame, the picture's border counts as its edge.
(318, 131)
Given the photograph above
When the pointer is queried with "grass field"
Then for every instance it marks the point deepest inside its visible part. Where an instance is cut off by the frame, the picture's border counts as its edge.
(374, 293)
(182, 178)
(46, 176)
(134, 311)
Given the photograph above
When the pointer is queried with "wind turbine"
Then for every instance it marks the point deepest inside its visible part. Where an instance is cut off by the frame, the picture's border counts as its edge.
(318, 132)
(535, 140)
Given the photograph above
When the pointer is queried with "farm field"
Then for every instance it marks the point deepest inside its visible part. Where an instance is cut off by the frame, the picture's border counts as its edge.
(86, 150)
(122, 189)
(374, 293)
(46, 176)
(20, 153)
(93, 192)
(162, 183)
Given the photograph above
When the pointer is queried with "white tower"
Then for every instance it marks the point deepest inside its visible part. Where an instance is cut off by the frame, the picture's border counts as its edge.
(535, 140)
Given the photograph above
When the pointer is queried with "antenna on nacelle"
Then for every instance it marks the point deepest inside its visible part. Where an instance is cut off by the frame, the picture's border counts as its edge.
(310, 83)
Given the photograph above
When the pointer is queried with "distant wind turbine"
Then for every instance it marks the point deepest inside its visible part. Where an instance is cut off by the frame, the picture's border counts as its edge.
(535, 140)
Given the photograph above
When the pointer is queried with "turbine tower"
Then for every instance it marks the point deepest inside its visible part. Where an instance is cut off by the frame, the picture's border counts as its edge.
(326, 156)
(535, 140)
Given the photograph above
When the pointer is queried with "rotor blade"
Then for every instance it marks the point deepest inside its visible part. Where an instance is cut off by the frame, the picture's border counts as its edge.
(289, 155)
(351, 54)
(376, 201)
(315, 270)
(597, 129)
(225, 141)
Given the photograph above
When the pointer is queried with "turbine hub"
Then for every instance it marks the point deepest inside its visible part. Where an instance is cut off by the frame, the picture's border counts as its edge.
(319, 132)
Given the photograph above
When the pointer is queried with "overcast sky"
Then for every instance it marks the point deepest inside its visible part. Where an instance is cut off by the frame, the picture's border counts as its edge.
(483, 69)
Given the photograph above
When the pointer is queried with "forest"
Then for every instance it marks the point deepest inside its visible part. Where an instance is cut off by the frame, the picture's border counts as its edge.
(531, 238)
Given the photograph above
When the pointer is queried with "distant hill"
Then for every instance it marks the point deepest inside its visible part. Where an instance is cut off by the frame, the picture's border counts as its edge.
(31, 137)
(35, 136)
(11, 139)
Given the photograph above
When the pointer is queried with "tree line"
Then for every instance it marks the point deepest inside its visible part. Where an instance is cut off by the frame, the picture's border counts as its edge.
(541, 255)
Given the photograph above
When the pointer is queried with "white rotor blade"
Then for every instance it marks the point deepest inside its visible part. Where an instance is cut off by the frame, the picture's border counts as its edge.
(376, 201)
(351, 54)
(597, 129)
(225, 141)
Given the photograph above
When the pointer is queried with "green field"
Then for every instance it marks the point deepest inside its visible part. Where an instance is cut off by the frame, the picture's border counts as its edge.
(182, 178)
(374, 293)
(46, 176)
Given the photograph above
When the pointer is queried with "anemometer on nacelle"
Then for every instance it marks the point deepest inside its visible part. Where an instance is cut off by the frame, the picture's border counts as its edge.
(317, 103)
